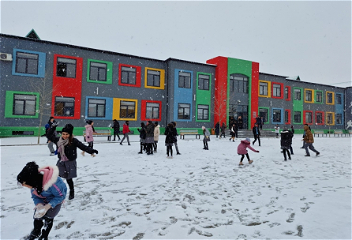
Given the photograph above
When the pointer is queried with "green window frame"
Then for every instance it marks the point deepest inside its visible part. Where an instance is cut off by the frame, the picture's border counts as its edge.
(10, 104)
(95, 64)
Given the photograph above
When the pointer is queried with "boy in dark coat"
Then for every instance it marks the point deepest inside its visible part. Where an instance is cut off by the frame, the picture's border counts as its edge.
(286, 141)
(256, 133)
(116, 127)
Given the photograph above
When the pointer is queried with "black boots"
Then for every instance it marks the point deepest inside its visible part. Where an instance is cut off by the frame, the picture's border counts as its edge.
(72, 195)
(72, 190)
(44, 233)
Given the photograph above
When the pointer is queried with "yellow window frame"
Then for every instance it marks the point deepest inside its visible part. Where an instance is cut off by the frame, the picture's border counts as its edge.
(333, 118)
(269, 89)
(162, 77)
(305, 92)
(333, 98)
(117, 106)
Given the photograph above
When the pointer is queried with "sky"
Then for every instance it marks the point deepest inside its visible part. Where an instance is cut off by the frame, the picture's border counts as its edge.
(309, 39)
(200, 194)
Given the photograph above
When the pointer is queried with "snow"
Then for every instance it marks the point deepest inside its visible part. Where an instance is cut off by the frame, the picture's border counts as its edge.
(197, 195)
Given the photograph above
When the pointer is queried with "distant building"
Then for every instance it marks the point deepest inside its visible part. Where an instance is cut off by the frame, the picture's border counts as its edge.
(74, 83)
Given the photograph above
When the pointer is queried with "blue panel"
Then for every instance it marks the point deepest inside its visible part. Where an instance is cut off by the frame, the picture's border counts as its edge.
(182, 95)
(282, 115)
(41, 63)
(108, 108)
(339, 108)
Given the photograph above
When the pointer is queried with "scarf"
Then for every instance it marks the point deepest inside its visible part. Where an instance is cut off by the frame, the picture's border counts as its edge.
(61, 148)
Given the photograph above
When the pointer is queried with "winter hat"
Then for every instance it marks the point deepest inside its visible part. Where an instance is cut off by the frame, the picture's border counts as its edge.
(30, 175)
(89, 122)
(247, 139)
(68, 128)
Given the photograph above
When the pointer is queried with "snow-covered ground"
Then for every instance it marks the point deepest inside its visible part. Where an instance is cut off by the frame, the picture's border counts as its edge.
(197, 195)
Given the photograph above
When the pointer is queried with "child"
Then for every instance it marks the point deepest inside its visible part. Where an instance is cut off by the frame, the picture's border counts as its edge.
(89, 135)
(169, 139)
(277, 130)
(48, 192)
(286, 141)
(242, 150)
(233, 132)
(206, 138)
(142, 136)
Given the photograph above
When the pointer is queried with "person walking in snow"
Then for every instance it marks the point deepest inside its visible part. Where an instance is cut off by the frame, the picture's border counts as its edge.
(233, 132)
(150, 137)
(125, 132)
(277, 130)
(242, 150)
(142, 136)
(286, 142)
(89, 135)
(51, 126)
(217, 129)
(304, 134)
(170, 139)
(67, 154)
(48, 193)
(156, 136)
(175, 140)
(308, 141)
(256, 133)
(206, 138)
(116, 127)
(223, 129)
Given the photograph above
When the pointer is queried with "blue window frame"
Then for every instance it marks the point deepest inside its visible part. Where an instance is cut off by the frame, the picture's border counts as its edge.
(28, 63)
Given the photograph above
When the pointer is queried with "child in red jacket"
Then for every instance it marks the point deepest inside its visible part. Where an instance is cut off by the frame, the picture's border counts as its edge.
(242, 150)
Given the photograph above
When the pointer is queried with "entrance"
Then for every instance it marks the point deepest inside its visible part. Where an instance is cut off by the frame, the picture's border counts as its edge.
(238, 113)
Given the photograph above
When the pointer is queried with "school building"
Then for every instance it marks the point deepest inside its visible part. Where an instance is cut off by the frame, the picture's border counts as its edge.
(40, 79)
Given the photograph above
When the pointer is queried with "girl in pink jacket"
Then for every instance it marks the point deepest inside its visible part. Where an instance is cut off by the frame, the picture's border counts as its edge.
(242, 150)
(89, 135)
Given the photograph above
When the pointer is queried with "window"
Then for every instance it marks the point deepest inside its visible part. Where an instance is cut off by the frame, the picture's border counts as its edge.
(263, 88)
(319, 117)
(338, 118)
(288, 93)
(297, 93)
(308, 117)
(330, 98)
(64, 106)
(96, 107)
(153, 78)
(338, 100)
(297, 117)
(184, 80)
(203, 82)
(276, 90)
(152, 110)
(66, 67)
(184, 111)
(318, 96)
(329, 118)
(308, 95)
(27, 63)
(263, 112)
(97, 71)
(128, 75)
(127, 109)
(24, 105)
(203, 112)
(238, 83)
(287, 116)
(276, 115)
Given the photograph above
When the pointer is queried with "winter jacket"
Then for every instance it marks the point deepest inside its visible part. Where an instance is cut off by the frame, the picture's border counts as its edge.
(125, 129)
(242, 147)
(89, 133)
(156, 133)
(71, 149)
(255, 130)
(170, 135)
(54, 189)
(150, 130)
(51, 134)
(142, 132)
(217, 128)
(286, 139)
(116, 127)
(308, 138)
(277, 129)
(206, 134)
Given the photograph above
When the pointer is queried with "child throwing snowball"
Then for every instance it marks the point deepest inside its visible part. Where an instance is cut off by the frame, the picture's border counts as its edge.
(242, 150)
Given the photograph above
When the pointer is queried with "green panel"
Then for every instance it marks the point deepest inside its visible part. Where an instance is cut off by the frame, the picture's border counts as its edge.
(108, 72)
(9, 102)
(268, 113)
(203, 97)
(297, 106)
(315, 96)
(243, 67)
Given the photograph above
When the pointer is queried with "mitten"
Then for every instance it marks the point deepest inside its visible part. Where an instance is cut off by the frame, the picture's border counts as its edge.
(257, 151)
(95, 151)
(41, 210)
(39, 205)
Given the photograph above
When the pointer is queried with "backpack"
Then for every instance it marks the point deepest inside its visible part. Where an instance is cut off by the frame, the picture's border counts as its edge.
(47, 127)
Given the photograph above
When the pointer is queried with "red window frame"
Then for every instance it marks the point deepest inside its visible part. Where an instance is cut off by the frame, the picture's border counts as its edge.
(144, 110)
(304, 117)
(138, 76)
(323, 118)
(289, 116)
(281, 90)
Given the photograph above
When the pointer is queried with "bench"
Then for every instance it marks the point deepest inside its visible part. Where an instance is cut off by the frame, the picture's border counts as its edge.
(319, 132)
(189, 132)
(99, 133)
(349, 132)
(339, 132)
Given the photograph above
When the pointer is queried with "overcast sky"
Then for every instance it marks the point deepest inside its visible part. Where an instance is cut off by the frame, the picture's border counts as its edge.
(290, 38)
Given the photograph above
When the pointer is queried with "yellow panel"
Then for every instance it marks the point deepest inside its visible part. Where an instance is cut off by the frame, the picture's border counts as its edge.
(162, 77)
(269, 89)
(116, 109)
(333, 118)
(312, 90)
(333, 98)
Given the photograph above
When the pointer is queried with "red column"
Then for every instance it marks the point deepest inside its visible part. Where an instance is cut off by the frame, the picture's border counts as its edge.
(254, 93)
